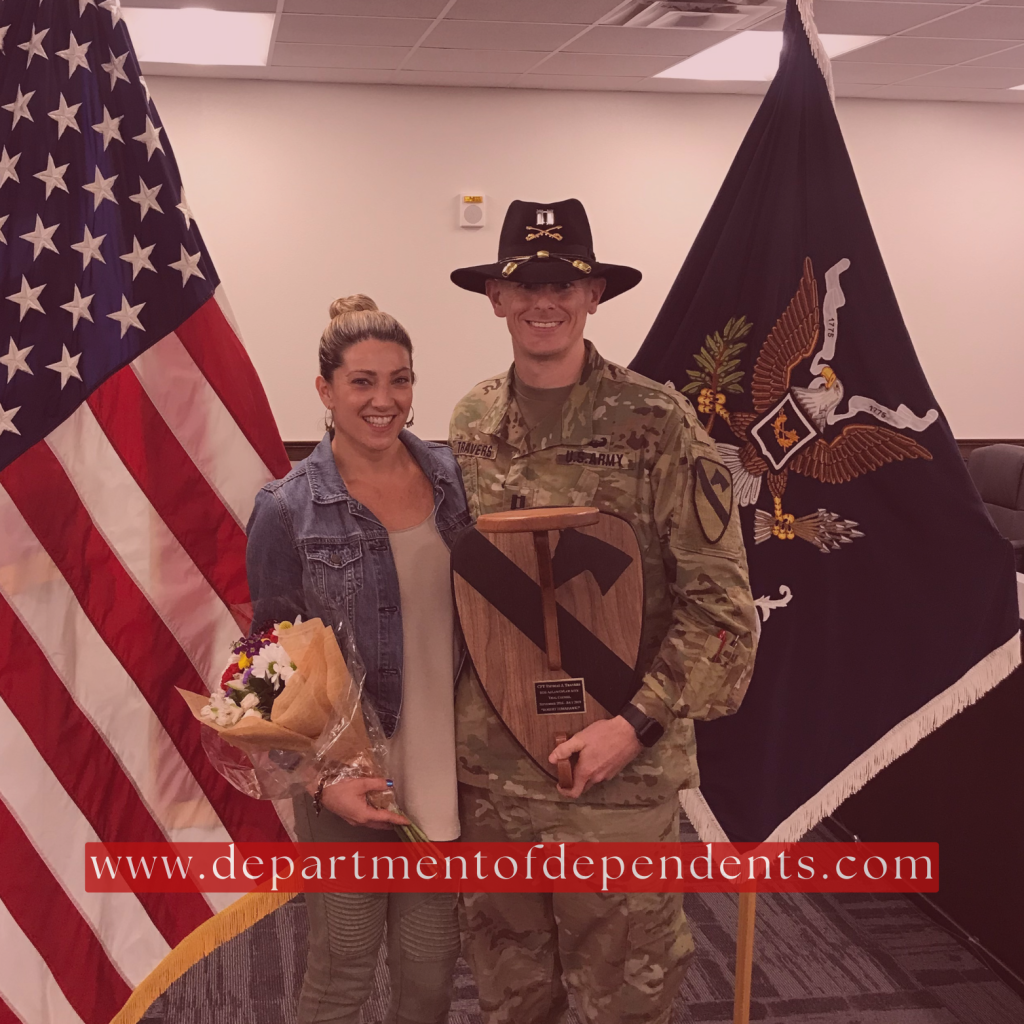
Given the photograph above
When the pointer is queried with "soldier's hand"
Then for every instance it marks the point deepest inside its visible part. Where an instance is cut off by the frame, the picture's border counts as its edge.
(604, 749)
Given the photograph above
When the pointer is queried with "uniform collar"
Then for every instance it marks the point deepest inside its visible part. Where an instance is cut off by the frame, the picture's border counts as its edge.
(576, 426)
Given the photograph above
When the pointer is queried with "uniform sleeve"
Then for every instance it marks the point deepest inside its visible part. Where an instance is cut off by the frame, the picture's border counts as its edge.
(704, 664)
(272, 564)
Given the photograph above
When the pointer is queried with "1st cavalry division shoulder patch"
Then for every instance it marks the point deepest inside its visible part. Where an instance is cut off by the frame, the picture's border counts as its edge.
(712, 497)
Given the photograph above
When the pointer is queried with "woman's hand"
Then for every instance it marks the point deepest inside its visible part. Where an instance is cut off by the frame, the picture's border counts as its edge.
(347, 799)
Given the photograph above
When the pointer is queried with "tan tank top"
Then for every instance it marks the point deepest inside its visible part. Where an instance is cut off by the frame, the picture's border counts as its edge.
(422, 748)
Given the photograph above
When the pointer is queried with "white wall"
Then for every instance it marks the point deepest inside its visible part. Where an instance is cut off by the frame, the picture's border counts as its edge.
(305, 192)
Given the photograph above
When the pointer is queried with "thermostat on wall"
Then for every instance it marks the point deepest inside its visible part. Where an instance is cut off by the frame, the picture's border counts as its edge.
(472, 211)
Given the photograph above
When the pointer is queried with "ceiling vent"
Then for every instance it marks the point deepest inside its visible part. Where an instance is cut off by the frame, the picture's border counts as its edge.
(719, 15)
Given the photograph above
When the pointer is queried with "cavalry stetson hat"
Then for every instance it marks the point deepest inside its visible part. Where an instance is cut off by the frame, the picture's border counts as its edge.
(542, 243)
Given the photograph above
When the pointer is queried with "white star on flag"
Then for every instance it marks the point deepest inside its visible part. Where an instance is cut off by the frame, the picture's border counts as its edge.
(79, 307)
(3, 221)
(89, 247)
(7, 165)
(139, 258)
(75, 55)
(108, 128)
(27, 298)
(151, 137)
(146, 198)
(7, 419)
(52, 177)
(3, 34)
(67, 367)
(64, 115)
(116, 68)
(20, 107)
(101, 188)
(128, 316)
(186, 210)
(16, 359)
(82, 4)
(188, 265)
(34, 46)
(41, 238)
(114, 6)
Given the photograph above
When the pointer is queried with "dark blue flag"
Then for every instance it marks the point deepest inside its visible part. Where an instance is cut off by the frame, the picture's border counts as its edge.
(887, 596)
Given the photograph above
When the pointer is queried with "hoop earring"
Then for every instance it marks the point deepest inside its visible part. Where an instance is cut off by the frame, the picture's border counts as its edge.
(412, 417)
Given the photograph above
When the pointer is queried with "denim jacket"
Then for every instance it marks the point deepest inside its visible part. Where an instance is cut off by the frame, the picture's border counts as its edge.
(313, 548)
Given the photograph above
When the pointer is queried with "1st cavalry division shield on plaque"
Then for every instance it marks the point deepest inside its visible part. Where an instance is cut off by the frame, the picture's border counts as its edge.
(551, 605)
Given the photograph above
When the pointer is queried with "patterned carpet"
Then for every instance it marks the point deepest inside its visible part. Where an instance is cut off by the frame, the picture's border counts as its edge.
(857, 959)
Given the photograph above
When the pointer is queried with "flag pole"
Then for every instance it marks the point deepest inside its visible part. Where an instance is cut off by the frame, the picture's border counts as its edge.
(744, 957)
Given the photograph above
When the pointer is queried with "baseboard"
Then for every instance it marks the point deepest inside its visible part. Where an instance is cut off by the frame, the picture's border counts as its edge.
(941, 918)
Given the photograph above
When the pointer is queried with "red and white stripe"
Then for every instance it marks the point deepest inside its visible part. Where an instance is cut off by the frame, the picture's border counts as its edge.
(122, 576)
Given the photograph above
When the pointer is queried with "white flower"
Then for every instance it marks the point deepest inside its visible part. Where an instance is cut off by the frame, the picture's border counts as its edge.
(286, 670)
(265, 664)
(252, 713)
(250, 700)
(235, 683)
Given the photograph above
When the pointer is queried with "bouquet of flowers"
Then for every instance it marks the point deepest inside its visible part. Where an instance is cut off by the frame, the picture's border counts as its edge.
(288, 717)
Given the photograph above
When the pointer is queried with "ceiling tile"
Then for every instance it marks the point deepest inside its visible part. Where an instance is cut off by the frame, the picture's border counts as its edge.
(974, 78)
(313, 28)
(262, 6)
(977, 23)
(324, 55)
(492, 81)
(496, 61)
(363, 8)
(499, 35)
(855, 17)
(1012, 58)
(596, 82)
(562, 12)
(606, 64)
(673, 42)
(909, 50)
(877, 74)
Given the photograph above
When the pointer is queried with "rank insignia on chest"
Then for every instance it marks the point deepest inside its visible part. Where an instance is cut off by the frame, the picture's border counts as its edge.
(474, 449)
(601, 459)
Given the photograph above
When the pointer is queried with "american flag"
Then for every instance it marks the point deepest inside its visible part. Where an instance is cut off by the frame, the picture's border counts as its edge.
(134, 434)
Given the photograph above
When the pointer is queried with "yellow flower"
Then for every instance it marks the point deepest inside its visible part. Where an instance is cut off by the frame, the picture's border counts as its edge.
(244, 661)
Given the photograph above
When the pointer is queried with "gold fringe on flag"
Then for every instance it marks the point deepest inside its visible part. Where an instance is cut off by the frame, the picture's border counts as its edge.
(201, 942)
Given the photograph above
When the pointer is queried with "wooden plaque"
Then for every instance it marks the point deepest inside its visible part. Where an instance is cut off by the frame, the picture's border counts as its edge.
(552, 618)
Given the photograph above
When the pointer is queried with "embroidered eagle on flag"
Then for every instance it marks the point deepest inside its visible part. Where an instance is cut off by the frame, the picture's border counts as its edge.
(786, 430)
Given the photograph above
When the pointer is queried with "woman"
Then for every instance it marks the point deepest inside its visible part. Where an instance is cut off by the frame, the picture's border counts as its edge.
(364, 526)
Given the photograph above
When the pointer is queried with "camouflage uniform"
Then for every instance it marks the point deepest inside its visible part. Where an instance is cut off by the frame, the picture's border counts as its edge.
(627, 445)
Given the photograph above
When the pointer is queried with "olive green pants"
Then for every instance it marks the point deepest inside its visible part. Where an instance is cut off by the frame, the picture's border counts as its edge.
(345, 932)
(622, 955)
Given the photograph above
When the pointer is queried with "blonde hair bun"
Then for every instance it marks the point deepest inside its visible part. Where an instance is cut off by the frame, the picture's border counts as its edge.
(352, 304)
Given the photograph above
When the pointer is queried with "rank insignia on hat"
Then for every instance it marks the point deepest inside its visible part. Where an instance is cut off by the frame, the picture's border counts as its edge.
(712, 497)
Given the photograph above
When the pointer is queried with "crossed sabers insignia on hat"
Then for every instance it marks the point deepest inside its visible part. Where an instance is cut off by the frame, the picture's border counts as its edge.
(539, 232)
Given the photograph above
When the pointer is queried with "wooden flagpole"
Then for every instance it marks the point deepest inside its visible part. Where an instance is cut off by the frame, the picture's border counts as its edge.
(744, 957)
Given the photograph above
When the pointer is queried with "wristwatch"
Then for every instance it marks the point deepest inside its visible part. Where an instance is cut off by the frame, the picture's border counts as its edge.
(648, 730)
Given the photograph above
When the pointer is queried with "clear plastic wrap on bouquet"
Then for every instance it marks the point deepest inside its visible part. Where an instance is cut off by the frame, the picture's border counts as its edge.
(314, 730)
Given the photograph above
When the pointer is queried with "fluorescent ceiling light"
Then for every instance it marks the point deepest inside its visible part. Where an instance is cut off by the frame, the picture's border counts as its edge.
(751, 57)
(1021, 87)
(196, 35)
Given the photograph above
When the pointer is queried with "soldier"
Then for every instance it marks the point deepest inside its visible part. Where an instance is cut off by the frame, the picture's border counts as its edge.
(565, 427)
